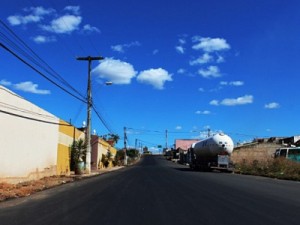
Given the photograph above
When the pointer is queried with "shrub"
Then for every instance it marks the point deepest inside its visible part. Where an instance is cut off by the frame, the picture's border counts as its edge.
(277, 168)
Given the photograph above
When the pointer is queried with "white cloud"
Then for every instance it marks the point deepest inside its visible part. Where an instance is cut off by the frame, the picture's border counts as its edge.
(220, 59)
(272, 105)
(178, 128)
(121, 47)
(201, 89)
(43, 39)
(232, 83)
(205, 112)
(30, 87)
(214, 102)
(181, 71)
(36, 14)
(205, 58)
(116, 71)
(211, 71)
(180, 49)
(5, 83)
(117, 48)
(182, 41)
(63, 24)
(155, 51)
(210, 44)
(155, 77)
(246, 99)
(18, 20)
(74, 9)
(39, 10)
(90, 28)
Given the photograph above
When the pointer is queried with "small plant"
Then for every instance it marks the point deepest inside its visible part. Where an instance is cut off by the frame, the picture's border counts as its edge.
(78, 155)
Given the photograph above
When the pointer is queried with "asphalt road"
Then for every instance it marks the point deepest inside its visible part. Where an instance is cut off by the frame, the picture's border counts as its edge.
(157, 191)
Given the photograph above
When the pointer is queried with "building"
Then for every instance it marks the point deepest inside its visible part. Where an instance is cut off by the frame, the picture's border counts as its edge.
(182, 146)
(33, 142)
(101, 148)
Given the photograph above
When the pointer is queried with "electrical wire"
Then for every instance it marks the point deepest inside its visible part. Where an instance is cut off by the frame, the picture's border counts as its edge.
(39, 72)
(39, 62)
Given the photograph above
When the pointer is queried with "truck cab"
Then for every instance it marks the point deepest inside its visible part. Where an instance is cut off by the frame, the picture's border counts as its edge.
(291, 153)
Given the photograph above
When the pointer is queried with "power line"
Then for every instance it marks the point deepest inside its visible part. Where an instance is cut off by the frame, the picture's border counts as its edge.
(48, 69)
(43, 75)
(34, 119)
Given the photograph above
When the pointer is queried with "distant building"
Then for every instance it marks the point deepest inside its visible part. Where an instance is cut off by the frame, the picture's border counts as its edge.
(181, 148)
(184, 144)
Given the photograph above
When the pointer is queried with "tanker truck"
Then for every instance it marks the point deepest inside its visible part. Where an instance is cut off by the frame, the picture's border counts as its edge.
(211, 153)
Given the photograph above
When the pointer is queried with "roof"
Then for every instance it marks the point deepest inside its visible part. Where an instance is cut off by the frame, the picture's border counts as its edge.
(184, 144)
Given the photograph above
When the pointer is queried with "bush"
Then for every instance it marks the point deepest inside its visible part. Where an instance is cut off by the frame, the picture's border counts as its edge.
(280, 168)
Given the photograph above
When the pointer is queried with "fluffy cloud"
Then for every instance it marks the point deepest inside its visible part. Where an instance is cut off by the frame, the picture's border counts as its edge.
(43, 39)
(205, 58)
(155, 77)
(121, 47)
(210, 44)
(89, 28)
(116, 71)
(246, 99)
(205, 112)
(232, 83)
(74, 9)
(35, 15)
(30, 87)
(63, 24)
(180, 49)
(178, 127)
(211, 71)
(5, 83)
(60, 24)
(181, 71)
(272, 105)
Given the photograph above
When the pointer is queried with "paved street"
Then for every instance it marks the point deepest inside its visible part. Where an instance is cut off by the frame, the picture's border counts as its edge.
(157, 191)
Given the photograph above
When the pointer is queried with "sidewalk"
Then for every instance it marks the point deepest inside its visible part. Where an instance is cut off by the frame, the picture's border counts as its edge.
(12, 191)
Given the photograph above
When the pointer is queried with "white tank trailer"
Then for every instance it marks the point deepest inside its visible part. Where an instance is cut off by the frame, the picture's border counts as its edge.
(212, 153)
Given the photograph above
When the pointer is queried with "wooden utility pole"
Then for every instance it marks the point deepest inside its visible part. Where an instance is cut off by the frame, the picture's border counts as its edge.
(125, 147)
(89, 110)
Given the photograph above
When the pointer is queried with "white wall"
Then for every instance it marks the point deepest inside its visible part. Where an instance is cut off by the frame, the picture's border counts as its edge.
(27, 147)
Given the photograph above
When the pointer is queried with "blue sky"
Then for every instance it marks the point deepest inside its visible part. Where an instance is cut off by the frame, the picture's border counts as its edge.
(181, 66)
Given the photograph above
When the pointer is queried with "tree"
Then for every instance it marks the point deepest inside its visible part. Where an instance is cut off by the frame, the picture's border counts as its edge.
(112, 139)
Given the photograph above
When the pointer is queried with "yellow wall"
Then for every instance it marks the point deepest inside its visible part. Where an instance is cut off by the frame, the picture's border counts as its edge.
(67, 133)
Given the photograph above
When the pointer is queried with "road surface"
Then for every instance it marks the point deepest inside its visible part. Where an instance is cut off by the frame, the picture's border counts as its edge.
(157, 191)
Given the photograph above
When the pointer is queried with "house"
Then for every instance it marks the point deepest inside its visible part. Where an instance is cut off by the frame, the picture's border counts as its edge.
(182, 146)
(101, 148)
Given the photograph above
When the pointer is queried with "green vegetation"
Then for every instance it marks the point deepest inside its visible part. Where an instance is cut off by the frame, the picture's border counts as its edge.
(280, 168)
(78, 155)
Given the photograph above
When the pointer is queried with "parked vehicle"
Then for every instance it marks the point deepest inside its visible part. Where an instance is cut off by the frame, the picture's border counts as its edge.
(292, 153)
(212, 153)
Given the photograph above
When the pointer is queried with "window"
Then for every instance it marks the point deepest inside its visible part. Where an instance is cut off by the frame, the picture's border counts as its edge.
(283, 152)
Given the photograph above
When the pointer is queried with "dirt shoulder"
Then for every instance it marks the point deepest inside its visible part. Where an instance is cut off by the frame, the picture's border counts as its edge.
(12, 191)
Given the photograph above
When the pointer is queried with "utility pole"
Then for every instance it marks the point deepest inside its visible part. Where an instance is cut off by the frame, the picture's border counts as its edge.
(89, 110)
(125, 147)
(166, 139)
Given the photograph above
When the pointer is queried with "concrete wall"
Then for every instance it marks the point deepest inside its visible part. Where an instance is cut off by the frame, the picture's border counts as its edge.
(28, 139)
(99, 147)
(254, 151)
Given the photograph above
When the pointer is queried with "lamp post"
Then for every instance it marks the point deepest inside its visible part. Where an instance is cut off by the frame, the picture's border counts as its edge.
(89, 108)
